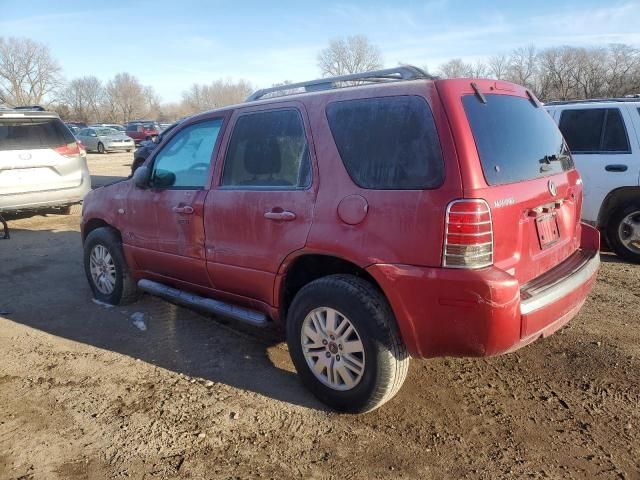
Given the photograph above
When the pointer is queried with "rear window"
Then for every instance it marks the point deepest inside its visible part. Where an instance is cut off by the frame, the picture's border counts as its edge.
(388, 143)
(33, 133)
(594, 130)
(516, 140)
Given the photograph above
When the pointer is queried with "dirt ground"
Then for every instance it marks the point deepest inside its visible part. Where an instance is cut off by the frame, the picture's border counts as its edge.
(157, 391)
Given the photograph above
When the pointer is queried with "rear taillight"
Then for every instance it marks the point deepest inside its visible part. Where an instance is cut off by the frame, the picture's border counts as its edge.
(68, 150)
(468, 235)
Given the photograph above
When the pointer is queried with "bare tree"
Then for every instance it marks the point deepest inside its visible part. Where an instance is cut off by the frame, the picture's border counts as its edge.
(349, 55)
(84, 97)
(497, 66)
(28, 72)
(456, 68)
(127, 99)
(215, 95)
(522, 66)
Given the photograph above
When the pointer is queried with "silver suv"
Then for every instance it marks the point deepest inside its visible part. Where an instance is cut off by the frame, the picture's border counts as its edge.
(41, 164)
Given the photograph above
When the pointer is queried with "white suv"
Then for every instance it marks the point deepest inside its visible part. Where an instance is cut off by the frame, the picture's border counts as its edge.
(41, 162)
(604, 139)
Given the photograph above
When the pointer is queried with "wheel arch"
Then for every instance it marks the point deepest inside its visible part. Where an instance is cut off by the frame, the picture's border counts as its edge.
(614, 200)
(95, 223)
(306, 267)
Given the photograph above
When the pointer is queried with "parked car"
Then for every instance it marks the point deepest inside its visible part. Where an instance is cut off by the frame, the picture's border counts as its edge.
(148, 146)
(102, 140)
(73, 128)
(78, 125)
(604, 139)
(402, 216)
(41, 164)
(140, 131)
(115, 126)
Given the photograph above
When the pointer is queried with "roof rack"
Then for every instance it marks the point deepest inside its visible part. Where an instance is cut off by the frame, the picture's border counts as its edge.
(32, 108)
(595, 100)
(405, 72)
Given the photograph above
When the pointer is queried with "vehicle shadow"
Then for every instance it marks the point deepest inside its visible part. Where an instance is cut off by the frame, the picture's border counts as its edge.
(611, 257)
(101, 180)
(43, 287)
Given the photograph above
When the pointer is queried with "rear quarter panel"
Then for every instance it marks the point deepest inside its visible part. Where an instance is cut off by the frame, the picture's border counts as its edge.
(401, 226)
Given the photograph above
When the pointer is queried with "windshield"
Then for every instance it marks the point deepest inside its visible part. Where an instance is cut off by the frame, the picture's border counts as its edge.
(516, 140)
(102, 132)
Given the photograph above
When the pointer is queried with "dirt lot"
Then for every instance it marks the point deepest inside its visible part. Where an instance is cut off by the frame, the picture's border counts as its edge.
(157, 391)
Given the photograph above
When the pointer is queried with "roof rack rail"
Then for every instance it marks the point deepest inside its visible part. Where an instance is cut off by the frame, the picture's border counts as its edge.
(594, 100)
(33, 108)
(404, 72)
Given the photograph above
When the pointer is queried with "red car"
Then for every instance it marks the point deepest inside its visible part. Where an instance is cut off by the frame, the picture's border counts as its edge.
(398, 216)
(141, 131)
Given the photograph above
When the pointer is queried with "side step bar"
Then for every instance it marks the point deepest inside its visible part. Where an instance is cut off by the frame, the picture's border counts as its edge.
(209, 305)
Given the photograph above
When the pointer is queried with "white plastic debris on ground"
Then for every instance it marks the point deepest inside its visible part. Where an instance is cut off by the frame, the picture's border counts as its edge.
(102, 304)
(138, 320)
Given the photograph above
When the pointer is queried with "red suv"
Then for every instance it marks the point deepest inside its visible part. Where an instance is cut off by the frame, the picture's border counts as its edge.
(141, 131)
(375, 217)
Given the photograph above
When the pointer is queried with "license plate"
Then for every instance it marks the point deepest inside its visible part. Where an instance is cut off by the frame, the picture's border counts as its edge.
(548, 231)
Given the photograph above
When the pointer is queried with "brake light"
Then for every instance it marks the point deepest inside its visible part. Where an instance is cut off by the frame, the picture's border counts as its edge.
(69, 150)
(468, 235)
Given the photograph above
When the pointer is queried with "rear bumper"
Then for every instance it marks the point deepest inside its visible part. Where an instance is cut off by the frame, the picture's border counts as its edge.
(46, 198)
(120, 146)
(451, 312)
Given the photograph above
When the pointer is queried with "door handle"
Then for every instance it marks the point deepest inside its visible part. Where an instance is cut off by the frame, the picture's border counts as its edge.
(187, 209)
(616, 168)
(284, 216)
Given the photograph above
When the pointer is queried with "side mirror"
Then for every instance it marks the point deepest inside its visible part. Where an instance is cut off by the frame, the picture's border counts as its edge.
(141, 177)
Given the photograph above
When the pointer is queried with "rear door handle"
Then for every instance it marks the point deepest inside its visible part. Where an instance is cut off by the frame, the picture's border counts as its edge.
(186, 209)
(282, 216)
(616, 168)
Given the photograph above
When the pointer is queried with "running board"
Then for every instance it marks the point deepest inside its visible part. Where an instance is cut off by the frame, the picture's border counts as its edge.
(216, 307)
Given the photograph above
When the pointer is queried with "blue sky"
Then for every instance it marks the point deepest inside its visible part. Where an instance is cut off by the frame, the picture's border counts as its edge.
(171, 45)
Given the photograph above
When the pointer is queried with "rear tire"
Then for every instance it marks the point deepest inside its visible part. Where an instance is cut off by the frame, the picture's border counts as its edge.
(623, 232)
(365, 362)
(106, 268)
(101, 148)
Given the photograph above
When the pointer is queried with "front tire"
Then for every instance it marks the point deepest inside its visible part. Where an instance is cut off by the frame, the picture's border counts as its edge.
(106, 268)
(101, 148)
(345, 345)
(623, 232)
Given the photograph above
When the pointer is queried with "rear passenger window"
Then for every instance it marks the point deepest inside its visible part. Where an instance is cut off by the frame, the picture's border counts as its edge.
(388, 143)
(594, 130)
(268, 149)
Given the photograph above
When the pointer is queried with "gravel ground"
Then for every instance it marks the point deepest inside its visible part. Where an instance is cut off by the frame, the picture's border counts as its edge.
(157, 391)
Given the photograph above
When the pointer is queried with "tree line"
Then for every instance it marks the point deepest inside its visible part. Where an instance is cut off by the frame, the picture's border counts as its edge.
(30, 75)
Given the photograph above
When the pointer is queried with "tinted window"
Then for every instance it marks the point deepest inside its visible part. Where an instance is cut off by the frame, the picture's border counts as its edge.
(594, 130)
(26, 134)
(268, 149)
(185, 160)
(614, 138)
(515, 139)
(388, 143)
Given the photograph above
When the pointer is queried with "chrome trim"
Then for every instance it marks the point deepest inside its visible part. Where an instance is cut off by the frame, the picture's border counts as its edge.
(446, 233)
(561, 289)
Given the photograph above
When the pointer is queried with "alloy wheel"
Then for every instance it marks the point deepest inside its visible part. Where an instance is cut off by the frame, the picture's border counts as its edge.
(103, 269)
(629, 232)
(332, 348)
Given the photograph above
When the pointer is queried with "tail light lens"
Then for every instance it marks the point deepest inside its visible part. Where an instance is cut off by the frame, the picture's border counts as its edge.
(69, 150)
(468, 235)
